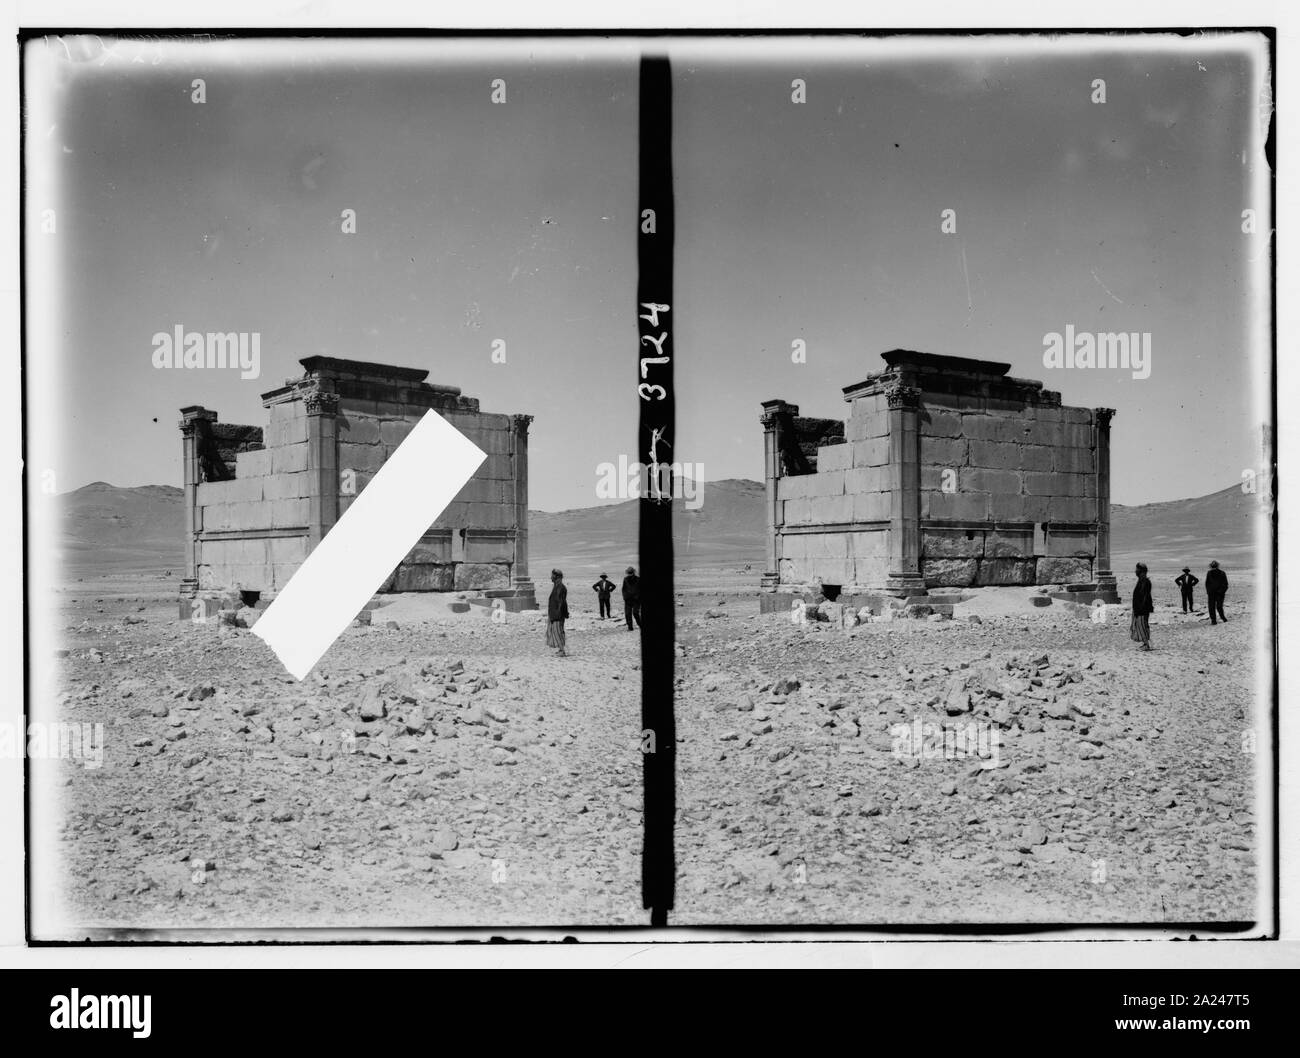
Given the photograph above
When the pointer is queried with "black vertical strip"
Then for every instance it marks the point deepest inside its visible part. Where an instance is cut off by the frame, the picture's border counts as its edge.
(656, 317)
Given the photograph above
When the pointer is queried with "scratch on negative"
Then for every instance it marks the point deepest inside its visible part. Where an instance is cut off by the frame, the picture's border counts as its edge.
(1104, 286)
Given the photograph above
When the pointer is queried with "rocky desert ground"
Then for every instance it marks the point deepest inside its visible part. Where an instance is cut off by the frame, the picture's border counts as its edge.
(436, 769)
(1100, 784)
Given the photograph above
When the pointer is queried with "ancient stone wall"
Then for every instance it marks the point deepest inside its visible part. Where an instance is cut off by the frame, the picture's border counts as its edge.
(952, 474)
(328, 435)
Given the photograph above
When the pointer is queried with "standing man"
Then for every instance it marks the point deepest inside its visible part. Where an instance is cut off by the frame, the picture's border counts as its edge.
(632, 598)
(603, 588)
(1140, 628)
(1216, 587)
(557, 612)
(1185, 584)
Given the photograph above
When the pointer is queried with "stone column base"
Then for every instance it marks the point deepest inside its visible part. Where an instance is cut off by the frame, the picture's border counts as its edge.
(769, 582)
(189, 587)
(904, 584)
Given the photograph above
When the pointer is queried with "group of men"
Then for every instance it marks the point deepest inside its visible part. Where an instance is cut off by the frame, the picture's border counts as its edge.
(604, 588)
(1216, 587)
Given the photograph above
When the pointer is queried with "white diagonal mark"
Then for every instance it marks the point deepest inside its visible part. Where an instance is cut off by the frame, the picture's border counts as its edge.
(385, 520)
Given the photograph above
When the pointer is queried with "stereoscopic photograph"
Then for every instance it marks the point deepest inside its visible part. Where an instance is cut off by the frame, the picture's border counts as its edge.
(345, 486)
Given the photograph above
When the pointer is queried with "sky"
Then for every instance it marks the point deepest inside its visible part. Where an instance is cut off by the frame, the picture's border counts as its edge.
(818, 221)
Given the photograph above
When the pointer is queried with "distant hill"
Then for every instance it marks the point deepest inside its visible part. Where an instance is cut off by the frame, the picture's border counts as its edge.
(122, 529)
(105, 527)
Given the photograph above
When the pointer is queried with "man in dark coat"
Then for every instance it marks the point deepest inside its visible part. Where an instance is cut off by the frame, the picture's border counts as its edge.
(557, 612)
(1185, 584)
(1140, 628)
(1216, 587)
(603, 588)
(632, 598)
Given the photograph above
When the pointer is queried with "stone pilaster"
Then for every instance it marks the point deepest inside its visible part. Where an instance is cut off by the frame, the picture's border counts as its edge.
(322, 409)
(1102, 572)
(773, 413)
(905, 490)
(194, 426)
(521, 582)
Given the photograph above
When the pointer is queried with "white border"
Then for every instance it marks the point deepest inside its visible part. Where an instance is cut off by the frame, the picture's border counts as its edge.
(642, 950)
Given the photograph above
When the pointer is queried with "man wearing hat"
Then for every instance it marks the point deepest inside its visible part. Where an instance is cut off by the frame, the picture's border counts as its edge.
(603, 588)
(1185, 584)
(1216, 587)
(632, 598)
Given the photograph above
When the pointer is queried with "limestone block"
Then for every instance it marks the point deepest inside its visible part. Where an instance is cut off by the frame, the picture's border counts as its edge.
(455, 516)
(834, 457)
(356, 429)
(361, 458)
(492, 515)
(1076, 435)
(252, 578)
(287, 486)
(871, 452)
(288, 514)
(1034, 508)
(289, 459)
(287, 550)
(794, 546)
(951, 543)
(870, 569)
(1008, 543)
(866, 479)
(965, 506)
(826, 545)
(1037, 458)
(281, 574)
(1039, 484)
(1006, 571)
(495, 442)
(249, 552)
(252, 464)
(1065, 571)
(1073, 460)
(481, 576)
(430, 551)
(871, 506)
(979, 479)
(944, 451)
(1071, 545)
(424, 576)
(394, 432)
(211, 493)
(217, 516)
(795, 488)
(828, 570)
(1043, 413)
(286, 411)
(949, 572)
(981, 426)
(1077, 416)
(995, 455)
(498, 467)
(862, 425)
(830, 483)
(481, 490)
(940, 423)
(1071, 509)
(831, 509)
(1010, 507)
(797, 512)
(495, 548)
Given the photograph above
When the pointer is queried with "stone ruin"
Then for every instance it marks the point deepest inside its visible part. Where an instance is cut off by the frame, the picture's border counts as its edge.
(947, 475)
(258, 499)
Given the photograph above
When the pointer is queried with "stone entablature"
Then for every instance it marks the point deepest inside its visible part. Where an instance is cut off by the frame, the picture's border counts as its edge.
(952, 474)
(329, 432)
